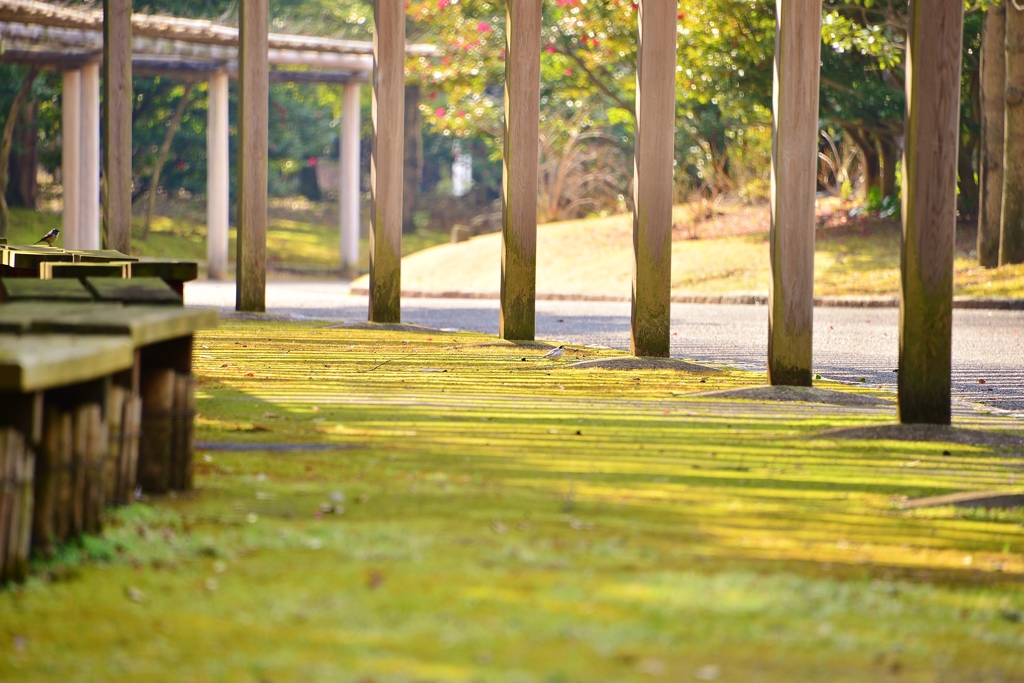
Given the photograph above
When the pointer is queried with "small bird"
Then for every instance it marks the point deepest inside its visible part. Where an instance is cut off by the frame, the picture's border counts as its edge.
(554, 354)
(50, 237)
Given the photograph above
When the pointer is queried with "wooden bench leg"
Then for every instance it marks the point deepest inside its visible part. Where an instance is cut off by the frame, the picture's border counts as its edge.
(168, 415)
(21, 420)
(124, 419)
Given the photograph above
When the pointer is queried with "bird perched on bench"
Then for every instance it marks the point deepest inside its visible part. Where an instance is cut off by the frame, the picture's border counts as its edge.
(554, 354)
(49, 237)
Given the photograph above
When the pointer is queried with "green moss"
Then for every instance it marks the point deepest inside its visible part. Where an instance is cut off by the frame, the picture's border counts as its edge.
(518, 520)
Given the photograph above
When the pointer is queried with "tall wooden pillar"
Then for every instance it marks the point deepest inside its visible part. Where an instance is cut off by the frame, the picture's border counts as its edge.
(349, 158)
(387, 160)
(652, 182)
(929, 209)
(253, 109)
(117, 124)
(794, 182)
(71, 155)
(517, 316)
(89, 160)
(993, 110)
(218, 188)
(1011, 234)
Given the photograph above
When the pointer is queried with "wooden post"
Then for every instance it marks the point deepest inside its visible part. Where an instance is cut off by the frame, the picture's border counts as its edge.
(993, 109)
(349, 162)
(652, 181)
(89, 158)
(71, 154)
(1011, 234)
(929, 209)
(517, 316)
(217, 178)
(387, 160)
(253, 108)
(117, 123)
(794, 181)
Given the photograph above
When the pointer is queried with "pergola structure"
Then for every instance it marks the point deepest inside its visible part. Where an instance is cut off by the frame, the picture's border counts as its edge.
(929, 176)
(73, 41)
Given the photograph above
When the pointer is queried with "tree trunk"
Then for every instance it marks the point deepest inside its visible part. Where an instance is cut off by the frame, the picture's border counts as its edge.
(24, 160)
(967, 200)
(161, 157)
(5, 144)
(413, 156)
(993, 109)
(871, 165)
(1011, 237)
(890, 154)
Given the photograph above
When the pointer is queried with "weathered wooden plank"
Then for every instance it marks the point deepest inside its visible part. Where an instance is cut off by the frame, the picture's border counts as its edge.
(167, 270)
(253, 105)
(929, 210)
(652, 182)
(137, 290)
(25, 289)
(17, 317)
(56, 271)
(517, 314)
(144, 325)
(36, 362)
(993, 109)
(102, 256)
(387, 161)
(117, 123)
(793, 185)
(25, 258)
(1011, 234)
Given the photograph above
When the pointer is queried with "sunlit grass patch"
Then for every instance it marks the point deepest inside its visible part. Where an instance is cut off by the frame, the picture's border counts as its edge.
(485, 517)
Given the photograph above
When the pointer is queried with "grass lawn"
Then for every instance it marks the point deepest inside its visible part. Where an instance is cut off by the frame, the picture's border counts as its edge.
(727, 253)
(297, 241)
(480, 517)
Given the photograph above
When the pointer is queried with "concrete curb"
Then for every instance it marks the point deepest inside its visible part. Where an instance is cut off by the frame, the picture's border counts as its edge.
(739, 299)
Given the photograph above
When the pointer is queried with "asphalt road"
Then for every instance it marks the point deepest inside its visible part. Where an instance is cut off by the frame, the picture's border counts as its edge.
(849, 343)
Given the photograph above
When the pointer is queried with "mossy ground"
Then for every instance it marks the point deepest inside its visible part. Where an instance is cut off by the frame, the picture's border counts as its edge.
(480, 517)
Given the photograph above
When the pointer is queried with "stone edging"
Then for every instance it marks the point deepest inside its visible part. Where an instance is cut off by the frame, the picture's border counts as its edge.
(967, 302)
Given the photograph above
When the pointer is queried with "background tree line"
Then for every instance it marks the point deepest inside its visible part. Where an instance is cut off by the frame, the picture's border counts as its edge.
(588, 72)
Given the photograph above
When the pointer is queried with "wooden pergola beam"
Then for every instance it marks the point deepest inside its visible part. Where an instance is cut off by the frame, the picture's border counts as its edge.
(253, 156)
(117, 124)
(929, 210)
(652, 184)
(517, 315)
(793, 186)
(387, 161)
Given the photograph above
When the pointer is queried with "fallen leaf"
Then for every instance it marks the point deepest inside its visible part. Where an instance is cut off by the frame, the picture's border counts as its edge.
(374, 579)
(134, 594)
(711, 672)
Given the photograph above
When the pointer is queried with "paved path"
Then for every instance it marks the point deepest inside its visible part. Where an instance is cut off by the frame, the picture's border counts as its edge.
(849, 343)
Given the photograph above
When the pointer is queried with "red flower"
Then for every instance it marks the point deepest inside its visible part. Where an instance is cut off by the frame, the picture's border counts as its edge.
(312, 162)
(483, 27)
(439, 113)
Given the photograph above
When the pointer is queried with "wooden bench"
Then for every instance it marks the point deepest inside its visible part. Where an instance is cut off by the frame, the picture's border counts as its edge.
(55, 464)
(136, 291)
(162, 337)
(40, 261)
